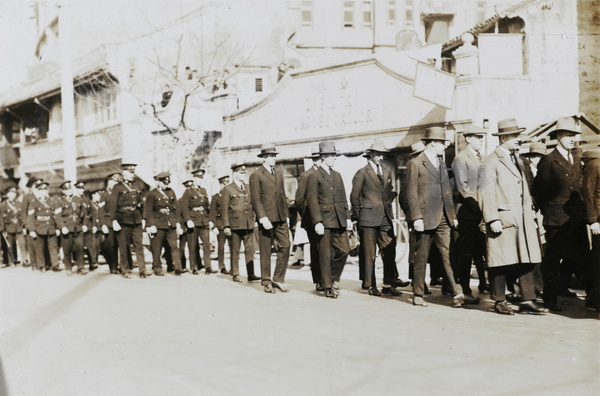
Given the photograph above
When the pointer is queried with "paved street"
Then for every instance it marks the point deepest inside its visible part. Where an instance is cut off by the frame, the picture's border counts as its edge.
(102, 334)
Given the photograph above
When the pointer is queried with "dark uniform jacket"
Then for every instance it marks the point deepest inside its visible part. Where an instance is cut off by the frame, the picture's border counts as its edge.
(371, 200)
(70, 213)
(40, 216)
(237, 207)
(267, 194)
(11, 217)
(429, 193)
(591, 190)
(103, 214)
(326, 198)
(557, 189)
(195, 206)
(466, 170)
(161, 209)
(27, 200)
(301, 203)
(88, 213)
(125, 204)
(216, 210)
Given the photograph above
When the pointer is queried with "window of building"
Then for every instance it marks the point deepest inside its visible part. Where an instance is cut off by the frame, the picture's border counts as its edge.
(307, 17)
(105, 106)
(367, 10)
(391, 14)
(480, 11)
(408, 13)
(348, 14)
(258, 84)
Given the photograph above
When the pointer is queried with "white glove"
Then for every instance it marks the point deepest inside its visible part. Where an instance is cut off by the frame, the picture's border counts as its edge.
(349, 225)
(151, 230)
(190, 224)
(57, 232)
(33, 234)
(266, 223)
(65, 230)
(94, 229)
(216, 231)
(419, 226)
(84, 229)
(319, 228)
(179, 231)
(211, 224)
(116, 225)
(104, 229)
(227, 231)
(595, 227)
(143, 223)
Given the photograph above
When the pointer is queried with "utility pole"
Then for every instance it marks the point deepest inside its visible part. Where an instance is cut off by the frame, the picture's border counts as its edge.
(66, 94)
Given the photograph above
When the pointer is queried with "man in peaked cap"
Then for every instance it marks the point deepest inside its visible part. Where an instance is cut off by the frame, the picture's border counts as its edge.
(512, 242)
(431, 208)
(10, 224)
(216, 216)
(108, 246)
(471, 241)
(89, 220)
(29, 196)
(125, 211)
(328, 207)
(195, 207)
(268, 199)
(306, 222)
(162, 223)
(41, 225)
(69, 220)
(371, 198)
(238, 222)
(556, 189)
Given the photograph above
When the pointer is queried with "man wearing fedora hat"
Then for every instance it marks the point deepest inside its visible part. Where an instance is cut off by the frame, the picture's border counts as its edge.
(70, 215)
(124, 208)
(511, 233)
(161, 213)
(431, 208)
(557, 189)
(216, 216)
(306, 222)
(267, 195)
(470, 245)
(328, 207)
(371, 198)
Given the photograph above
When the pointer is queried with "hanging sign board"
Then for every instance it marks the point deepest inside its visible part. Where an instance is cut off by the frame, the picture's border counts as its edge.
(434, 85)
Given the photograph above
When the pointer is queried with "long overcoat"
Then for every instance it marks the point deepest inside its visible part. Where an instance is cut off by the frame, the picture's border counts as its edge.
(504, 195)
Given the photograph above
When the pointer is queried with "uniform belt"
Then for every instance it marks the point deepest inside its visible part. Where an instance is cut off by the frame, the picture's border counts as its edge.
(198, 209)
(128, 208)
(164, 210)
(43, 218)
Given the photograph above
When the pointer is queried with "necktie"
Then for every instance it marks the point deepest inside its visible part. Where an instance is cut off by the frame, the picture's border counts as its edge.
(513, 156)
(440, 164)
(570, 158)
(242, 187)
(380, 173)
(479, 156)
(273, 171)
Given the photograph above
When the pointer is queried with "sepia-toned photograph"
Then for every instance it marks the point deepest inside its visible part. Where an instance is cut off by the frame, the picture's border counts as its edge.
(289, 197)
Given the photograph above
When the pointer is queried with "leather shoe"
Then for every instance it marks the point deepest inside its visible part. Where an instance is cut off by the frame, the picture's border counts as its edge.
(56, 269)
(469, 299)
(269, 288)
(364, 287)
(236, 278)
(330, 293)
(400, 283)
(419, 302)
(390, 291)
(194, 271)
(553, 307)
(209, 271)
(373, 291)
(319, 287)
(426, 290)
(280, 286)
(184, 270)
(82, 271)
(483, 287)
(142, 275)
(503, 308)
(224, 271)
(127, 275)
(253, 278)
(513, 297)
(159, 273)
(531, 307)
(178, 272)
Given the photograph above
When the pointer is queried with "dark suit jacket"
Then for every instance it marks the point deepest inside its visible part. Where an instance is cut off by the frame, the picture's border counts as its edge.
(429, 193)
(591, 190)
(326, 197)
(161, 209)
(195, 206)
(237, 208)
(268, 195)
(466, 170)
(301, 202)
(557, 187)
(371, 200)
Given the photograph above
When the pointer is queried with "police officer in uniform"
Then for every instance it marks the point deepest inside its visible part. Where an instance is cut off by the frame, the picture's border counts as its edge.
(42, 228)
(125, 211)
(162, 221)
(11, 224)
(69, 216)
(28, 198)
(216, 216)
(109, 246)
(238, 222)
(89, 220)
(194, 211)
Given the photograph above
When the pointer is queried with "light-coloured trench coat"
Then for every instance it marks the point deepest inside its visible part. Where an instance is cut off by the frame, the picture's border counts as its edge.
(503, 194)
